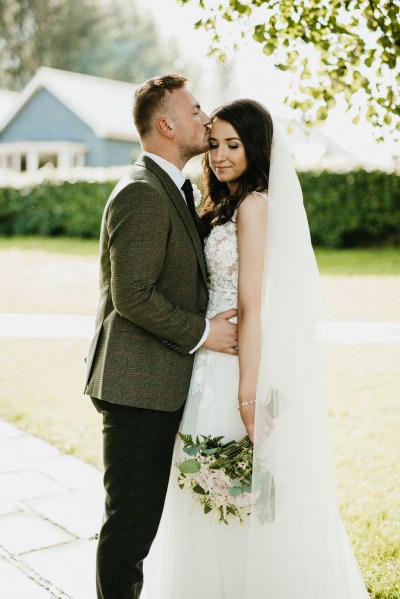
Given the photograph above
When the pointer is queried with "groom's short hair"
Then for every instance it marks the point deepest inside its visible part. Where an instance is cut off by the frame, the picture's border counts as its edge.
(152, 96)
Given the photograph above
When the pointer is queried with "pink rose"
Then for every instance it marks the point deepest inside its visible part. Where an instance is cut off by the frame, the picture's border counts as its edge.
(202, 479)
(219, 483)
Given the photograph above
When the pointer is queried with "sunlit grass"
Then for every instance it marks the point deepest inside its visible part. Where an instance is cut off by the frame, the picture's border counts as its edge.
(41, 381)
(359, 261)
(59, 245)
(41, 384)
(362, 261)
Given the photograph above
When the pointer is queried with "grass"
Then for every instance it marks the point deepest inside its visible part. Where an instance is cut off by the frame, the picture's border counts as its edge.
(360, 261)
(41, 381)
(364, 394)
(56, 245)
(41, 384)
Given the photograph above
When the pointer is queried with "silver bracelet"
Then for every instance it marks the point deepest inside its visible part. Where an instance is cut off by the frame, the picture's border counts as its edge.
(247, 403)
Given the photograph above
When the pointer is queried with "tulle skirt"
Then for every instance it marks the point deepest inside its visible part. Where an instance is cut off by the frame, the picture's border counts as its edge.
(193, 555)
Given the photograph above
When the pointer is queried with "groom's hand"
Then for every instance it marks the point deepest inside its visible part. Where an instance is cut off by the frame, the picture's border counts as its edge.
(223, 334)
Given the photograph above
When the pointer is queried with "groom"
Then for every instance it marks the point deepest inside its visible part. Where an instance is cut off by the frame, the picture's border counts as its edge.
(150, 321)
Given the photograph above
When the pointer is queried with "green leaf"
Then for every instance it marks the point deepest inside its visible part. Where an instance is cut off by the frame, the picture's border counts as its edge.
(269, 49)
(235, 491)
(190, 450)
(189, 466)
(198, 489)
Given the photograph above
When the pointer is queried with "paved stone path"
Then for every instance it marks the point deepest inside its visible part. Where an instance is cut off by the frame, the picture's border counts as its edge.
(50, 511)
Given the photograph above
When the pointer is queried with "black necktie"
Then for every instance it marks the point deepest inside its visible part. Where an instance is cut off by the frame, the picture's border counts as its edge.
(188, 191)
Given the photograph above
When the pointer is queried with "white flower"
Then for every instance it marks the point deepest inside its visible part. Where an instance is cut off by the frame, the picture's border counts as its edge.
(196, 195)
(219, 482)
(203, 479)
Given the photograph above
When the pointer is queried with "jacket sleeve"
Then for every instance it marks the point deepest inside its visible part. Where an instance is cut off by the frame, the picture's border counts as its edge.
(138, 227)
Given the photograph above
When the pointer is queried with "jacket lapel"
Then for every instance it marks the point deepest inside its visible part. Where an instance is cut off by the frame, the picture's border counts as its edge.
(179, 204)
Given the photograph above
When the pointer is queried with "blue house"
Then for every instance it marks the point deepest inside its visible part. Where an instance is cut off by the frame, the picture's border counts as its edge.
(68, 120)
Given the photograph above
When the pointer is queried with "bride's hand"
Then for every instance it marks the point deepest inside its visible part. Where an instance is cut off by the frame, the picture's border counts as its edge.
(265, 427)
(247, 414)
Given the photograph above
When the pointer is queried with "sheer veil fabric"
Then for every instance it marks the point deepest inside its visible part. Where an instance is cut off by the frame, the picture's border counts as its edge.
(298, 548)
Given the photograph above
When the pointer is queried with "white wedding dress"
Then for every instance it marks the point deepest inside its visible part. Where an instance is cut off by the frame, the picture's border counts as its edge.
(192, 557)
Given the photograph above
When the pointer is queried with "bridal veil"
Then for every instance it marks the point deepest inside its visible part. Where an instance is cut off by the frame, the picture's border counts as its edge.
(298, 548)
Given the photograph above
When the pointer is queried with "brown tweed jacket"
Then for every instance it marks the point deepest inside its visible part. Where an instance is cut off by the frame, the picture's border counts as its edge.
(153, 294)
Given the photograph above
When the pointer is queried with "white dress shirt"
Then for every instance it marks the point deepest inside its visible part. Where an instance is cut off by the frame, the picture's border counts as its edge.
(178, 178)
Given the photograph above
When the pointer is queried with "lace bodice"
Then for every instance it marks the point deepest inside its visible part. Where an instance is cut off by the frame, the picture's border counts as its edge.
(222, 263)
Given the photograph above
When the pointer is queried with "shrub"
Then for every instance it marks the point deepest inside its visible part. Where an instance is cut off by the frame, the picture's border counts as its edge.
(352, 209)
(72, 209)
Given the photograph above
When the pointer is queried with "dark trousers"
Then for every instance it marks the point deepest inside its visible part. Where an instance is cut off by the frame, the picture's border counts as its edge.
(138, 447)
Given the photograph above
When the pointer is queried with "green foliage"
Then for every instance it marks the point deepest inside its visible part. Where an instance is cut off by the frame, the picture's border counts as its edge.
(108, 39)
(355, 209)
(330, 47)
(71, 209)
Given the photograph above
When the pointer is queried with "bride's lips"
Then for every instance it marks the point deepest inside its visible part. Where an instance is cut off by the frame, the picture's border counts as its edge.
(221, 168)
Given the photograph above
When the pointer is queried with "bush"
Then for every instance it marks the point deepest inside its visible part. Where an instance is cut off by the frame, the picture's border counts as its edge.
(72, 209)
(353, 209)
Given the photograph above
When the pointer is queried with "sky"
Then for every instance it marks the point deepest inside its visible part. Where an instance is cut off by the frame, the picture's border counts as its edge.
(255, 77)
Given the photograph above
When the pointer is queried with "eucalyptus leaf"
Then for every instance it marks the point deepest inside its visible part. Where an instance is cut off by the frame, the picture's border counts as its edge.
(235, 491)
(189, 467)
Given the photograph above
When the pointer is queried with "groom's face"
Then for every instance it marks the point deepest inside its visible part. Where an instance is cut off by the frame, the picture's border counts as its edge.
(191, 124)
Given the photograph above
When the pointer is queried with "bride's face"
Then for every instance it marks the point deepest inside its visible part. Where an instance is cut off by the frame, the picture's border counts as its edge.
(227, 155)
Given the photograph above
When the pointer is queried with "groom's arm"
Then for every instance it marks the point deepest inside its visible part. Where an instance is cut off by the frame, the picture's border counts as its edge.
(138, 226)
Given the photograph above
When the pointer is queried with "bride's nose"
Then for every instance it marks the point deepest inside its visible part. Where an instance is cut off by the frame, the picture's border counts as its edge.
(220, 154)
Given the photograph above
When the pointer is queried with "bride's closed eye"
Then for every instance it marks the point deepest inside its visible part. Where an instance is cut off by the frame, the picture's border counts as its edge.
(214, 146)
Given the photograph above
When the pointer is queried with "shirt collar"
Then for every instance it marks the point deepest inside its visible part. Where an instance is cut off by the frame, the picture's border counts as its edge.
(173, 171)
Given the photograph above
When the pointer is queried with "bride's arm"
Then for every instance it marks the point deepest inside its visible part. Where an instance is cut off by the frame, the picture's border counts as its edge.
(251, 232)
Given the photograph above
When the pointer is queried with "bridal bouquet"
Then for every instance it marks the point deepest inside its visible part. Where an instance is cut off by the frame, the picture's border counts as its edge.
(218, 475)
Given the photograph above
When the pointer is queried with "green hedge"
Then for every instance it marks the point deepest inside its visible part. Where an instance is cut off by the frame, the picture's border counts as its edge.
(345, 210)
(71, 209)
(354, 209)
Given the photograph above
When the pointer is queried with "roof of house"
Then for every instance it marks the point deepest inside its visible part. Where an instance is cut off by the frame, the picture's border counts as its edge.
(7, 100)
(103, 104)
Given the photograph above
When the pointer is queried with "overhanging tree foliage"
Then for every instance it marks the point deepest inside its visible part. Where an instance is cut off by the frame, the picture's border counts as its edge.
(348, 47)
(109, 39)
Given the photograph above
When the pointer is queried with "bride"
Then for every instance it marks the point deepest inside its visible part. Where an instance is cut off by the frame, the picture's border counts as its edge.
(260, 260)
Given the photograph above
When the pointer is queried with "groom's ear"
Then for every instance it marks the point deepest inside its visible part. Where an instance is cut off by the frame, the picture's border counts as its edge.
(165, 127)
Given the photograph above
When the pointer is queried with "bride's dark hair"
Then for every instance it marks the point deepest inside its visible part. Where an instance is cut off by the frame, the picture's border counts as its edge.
(253, 124)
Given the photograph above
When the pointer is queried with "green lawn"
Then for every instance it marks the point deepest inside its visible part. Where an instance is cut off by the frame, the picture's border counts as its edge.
(41, 384)
(41, 381)
(379, 261)
(59, 245)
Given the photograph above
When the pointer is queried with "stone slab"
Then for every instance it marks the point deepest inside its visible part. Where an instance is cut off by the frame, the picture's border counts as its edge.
(8, 430)
(71, 472)
(79, 512)
(17, 585)
(9, 507)
(10, 463)
(24, 532)
(27, 448)
(69, 567)
(27, 484)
